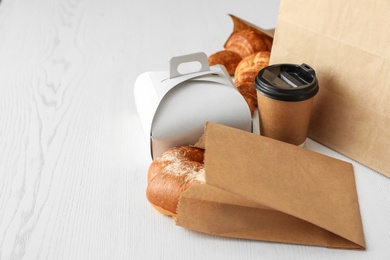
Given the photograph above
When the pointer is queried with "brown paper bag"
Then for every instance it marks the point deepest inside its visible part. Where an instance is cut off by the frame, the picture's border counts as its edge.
(347, 43)
(262, 189)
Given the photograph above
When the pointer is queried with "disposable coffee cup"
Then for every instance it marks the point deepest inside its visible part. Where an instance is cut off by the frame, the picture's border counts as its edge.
(285, 94)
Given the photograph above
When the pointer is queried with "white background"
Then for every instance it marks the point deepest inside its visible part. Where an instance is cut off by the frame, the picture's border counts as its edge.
(73, 158)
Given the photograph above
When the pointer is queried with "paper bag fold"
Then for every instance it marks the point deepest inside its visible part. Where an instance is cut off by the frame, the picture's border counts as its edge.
(262, 189)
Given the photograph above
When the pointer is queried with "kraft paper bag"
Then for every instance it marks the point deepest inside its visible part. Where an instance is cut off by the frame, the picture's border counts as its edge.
(347, 43)
(262, 189)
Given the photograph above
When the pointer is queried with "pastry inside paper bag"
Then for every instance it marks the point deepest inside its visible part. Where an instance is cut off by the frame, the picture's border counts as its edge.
(171, 174)
(245, 43)
(246, 52)
(239, 46)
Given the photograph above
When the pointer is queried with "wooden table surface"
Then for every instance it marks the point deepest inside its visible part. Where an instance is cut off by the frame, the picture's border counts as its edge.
(73, 158)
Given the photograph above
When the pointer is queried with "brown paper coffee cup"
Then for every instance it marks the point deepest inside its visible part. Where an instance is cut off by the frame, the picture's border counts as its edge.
(285, 94)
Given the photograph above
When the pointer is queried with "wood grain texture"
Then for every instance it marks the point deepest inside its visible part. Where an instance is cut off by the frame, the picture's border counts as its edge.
(73, 160)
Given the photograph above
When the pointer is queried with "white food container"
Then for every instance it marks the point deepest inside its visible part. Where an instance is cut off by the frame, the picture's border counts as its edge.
(175, 107)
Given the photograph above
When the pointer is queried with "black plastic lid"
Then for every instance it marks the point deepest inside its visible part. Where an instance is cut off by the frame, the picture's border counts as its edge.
(287, 82)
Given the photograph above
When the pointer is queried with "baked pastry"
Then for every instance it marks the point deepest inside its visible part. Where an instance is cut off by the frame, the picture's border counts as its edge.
(246, 42)
(239, 25)
(253, 46)
(247, 90)
(229, 59)
(171, 174)
(249, 67)
(245, 74)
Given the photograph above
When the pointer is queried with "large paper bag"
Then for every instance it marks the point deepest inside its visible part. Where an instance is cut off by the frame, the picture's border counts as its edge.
(262, 189)
(348, 45)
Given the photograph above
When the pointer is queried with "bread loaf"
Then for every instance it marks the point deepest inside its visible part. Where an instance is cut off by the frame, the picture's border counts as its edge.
(171, 174)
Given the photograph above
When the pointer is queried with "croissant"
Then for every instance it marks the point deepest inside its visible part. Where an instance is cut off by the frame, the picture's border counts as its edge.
(247, 69)
(226, 58)
(246, 42)
(248, 92)
(240, 25)
(245, 75)
(247, 51)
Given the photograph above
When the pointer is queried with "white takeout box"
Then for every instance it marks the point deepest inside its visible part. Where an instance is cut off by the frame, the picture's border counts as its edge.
(174, 107)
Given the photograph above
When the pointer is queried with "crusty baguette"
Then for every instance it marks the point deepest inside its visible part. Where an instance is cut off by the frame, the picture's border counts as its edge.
(171, 174)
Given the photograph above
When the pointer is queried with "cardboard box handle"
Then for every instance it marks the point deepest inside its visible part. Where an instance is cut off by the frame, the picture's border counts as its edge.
(175, 62)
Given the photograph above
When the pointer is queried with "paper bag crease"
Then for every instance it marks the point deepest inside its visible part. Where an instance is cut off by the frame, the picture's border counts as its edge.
(259, 188)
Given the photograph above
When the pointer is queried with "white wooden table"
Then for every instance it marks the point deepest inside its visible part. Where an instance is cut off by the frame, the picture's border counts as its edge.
(73, 159)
